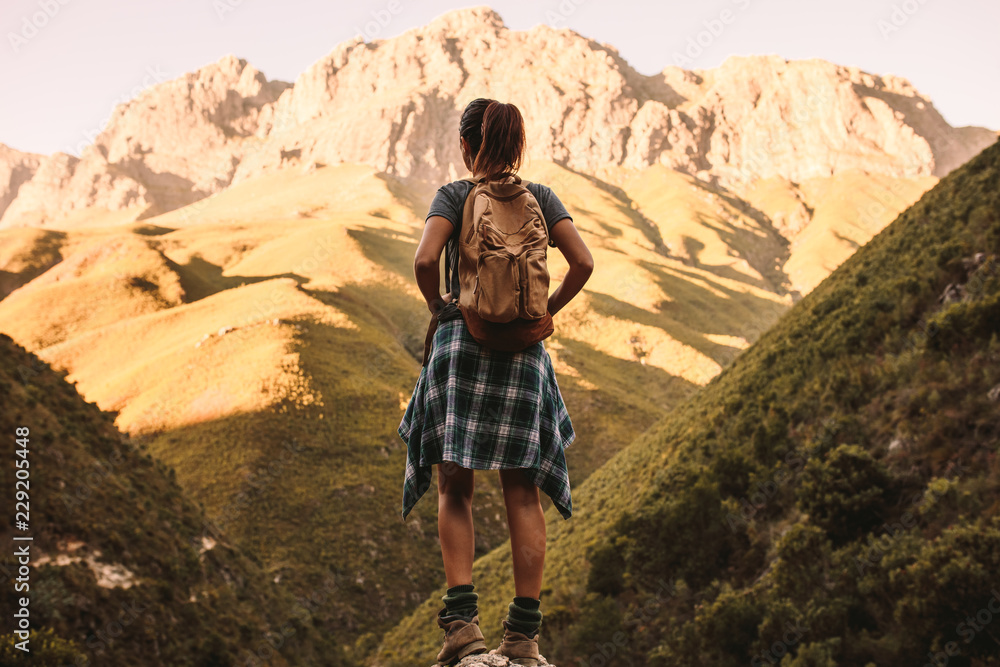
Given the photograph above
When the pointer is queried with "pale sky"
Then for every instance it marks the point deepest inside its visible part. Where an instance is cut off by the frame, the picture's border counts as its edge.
(64, 64)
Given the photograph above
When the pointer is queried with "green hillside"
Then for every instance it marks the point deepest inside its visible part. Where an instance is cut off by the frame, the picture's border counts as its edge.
(124, 569)
(831, 498)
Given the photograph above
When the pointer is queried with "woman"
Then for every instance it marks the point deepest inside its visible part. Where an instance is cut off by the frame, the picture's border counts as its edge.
(463, 416)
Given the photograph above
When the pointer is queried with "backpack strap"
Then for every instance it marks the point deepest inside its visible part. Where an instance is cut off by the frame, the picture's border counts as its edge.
(450, 263)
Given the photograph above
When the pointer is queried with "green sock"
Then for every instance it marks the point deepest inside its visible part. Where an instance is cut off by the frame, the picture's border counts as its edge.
(461, 601)
(523, 615)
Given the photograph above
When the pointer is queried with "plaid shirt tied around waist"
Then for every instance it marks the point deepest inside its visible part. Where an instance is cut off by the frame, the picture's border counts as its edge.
(486, 410)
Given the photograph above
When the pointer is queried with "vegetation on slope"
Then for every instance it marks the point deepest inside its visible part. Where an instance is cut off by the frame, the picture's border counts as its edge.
(831, 498)
(123, 570)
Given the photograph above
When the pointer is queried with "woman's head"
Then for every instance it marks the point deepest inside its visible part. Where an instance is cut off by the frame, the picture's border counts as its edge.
(493, 138)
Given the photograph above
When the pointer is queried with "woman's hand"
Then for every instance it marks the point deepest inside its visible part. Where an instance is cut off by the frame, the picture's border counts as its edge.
(439, 303)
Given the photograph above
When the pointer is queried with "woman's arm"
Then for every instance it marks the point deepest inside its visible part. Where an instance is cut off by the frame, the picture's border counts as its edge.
(427, 260)
(581, 263)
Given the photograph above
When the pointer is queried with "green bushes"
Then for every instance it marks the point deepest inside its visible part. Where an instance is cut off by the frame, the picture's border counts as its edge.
(685, 535)
(864, 416)
(46, 650)
(845, 493)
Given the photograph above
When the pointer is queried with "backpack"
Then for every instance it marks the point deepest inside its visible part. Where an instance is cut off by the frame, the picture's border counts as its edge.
(502, 266)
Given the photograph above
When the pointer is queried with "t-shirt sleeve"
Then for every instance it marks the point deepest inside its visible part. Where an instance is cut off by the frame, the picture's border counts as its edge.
(448, 204)
(552, 209)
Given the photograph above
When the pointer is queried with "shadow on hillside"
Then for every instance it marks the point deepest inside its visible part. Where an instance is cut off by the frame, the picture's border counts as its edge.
(315, 501)
(151, 230)
(383, 307)
(769, 263)
(851, 243)
(609, 306)
(201, 279)
(697, 311)
(624, 203)
(766, 265)
(607, 420)
(693, 248)
(734, 313)
(46, 250)
(168, 191)
(386, 249)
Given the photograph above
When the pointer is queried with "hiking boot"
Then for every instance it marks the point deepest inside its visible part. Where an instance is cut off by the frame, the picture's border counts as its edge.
(461, 638)
(518, 647)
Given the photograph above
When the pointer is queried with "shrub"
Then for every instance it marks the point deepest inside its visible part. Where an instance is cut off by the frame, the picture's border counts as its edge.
(844, 493)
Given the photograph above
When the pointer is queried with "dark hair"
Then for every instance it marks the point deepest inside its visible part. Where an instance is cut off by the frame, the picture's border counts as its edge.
(495, 132)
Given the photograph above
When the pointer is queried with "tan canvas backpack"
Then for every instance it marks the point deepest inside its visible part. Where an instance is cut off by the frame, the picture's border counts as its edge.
(502, 266)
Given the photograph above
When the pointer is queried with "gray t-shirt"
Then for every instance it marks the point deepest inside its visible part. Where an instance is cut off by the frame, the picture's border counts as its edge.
(449, 203)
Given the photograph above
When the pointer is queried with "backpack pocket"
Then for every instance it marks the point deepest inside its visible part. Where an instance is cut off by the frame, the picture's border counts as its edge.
(498, 287)
(534, 277)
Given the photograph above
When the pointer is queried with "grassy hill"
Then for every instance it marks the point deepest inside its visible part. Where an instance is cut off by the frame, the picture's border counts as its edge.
(264, 342)
(831, 498)
(123, 568)
(827, 219)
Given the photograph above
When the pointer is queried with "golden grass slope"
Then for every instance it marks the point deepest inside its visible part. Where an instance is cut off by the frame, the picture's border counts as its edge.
(709, 228)
(104, 276)
(26, 253)
(842, 213)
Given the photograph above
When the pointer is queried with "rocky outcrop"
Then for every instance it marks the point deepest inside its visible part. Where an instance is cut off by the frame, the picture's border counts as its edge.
(16, 169)
(395, 105)
(486, 660)
(174, 144)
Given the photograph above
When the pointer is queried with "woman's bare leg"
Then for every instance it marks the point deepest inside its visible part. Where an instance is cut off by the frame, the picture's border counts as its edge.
(458, 539)
(527, 531)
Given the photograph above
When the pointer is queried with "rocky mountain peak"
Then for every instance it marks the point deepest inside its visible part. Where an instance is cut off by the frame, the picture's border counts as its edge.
(394, 104)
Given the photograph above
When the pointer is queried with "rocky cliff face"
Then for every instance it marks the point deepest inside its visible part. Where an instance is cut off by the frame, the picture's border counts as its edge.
(174, 144)
(395, 104)
(16, 169)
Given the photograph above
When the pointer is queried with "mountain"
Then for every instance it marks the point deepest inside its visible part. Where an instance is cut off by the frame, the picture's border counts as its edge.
(125, 569)
(394, 105)
(229, 268)
(175, 143)
(831, 497)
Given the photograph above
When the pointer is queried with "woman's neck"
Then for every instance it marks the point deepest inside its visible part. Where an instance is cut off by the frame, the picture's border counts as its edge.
(500, 177)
